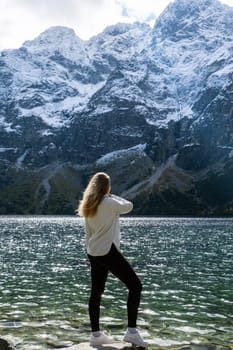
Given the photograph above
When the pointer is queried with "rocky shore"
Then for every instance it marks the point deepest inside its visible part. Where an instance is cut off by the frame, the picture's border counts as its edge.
(4, 345)
(123, 346)
(86, 346)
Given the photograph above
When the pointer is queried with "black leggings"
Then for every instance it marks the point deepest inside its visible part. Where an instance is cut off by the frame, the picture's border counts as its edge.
(118, 266)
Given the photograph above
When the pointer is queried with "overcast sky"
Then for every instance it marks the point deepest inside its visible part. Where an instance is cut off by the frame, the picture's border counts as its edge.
(22, 20)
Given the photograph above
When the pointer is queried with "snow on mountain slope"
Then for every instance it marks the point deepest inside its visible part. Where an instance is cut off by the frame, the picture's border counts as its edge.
(60, 39)
(56, 74)
(114, 156)
(162, 70)
(120, 41)
(191, 42)
(53, 113)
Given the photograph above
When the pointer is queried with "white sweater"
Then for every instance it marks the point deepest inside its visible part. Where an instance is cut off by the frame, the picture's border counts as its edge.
(103, 228)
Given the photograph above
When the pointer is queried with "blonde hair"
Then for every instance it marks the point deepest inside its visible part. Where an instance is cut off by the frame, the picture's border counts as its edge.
(97, 188)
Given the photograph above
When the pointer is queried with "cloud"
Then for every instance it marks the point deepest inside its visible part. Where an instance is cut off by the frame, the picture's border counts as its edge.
(22, 20)
(228, 2)
(142, 10)
(62, 10)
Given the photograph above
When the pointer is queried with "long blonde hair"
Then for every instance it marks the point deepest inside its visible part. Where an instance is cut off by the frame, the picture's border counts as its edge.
(97, 188)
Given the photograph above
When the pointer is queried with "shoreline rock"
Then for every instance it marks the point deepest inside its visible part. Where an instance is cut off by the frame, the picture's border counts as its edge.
(87, 346)
(124, 346)
(5, 345)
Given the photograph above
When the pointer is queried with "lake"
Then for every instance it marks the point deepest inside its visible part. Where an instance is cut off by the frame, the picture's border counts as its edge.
(185, 264)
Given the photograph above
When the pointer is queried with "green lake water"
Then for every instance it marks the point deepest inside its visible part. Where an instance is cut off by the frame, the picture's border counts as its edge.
(185, 265)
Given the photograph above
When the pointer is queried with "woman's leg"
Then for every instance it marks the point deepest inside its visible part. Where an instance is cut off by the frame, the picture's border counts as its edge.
(99, 275)
(115, 262)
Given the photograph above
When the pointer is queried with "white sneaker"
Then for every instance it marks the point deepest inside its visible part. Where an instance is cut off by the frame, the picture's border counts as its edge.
(135, 339)
(101, 339)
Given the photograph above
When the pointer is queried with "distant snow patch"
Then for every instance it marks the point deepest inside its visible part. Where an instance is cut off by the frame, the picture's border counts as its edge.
(6, 126)
(141, 109)
(21, 159)
(6, 149)
(101, 109)
(183, 112)
(115, 155)
(137, 76)
(228, 148)
(54, 114)
(46, 132)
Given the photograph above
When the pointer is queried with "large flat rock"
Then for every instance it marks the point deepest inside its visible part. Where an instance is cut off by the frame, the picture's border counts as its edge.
(86, 346)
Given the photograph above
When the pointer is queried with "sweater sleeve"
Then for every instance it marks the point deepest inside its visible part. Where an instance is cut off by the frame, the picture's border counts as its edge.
(121, 205)
(87, 229)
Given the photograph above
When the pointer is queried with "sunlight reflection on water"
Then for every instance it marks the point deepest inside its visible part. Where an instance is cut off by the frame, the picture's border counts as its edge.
(186, 266)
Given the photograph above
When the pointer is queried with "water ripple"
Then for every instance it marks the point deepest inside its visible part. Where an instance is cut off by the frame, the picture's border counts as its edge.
(186, 266)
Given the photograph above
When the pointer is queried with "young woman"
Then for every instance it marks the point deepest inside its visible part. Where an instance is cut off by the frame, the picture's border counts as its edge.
(101, 211)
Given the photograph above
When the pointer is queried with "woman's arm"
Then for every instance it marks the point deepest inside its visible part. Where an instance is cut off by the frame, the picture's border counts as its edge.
(121, 205)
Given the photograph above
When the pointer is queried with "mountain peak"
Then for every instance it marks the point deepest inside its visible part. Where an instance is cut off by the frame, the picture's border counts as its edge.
(54, 37)
(187, 16)
(194, 4)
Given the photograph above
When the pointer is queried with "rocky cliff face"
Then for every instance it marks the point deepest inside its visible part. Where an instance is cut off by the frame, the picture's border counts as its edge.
(152, 107)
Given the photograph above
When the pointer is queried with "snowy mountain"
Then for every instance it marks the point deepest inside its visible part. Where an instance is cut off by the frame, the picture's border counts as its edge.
(152, 107)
